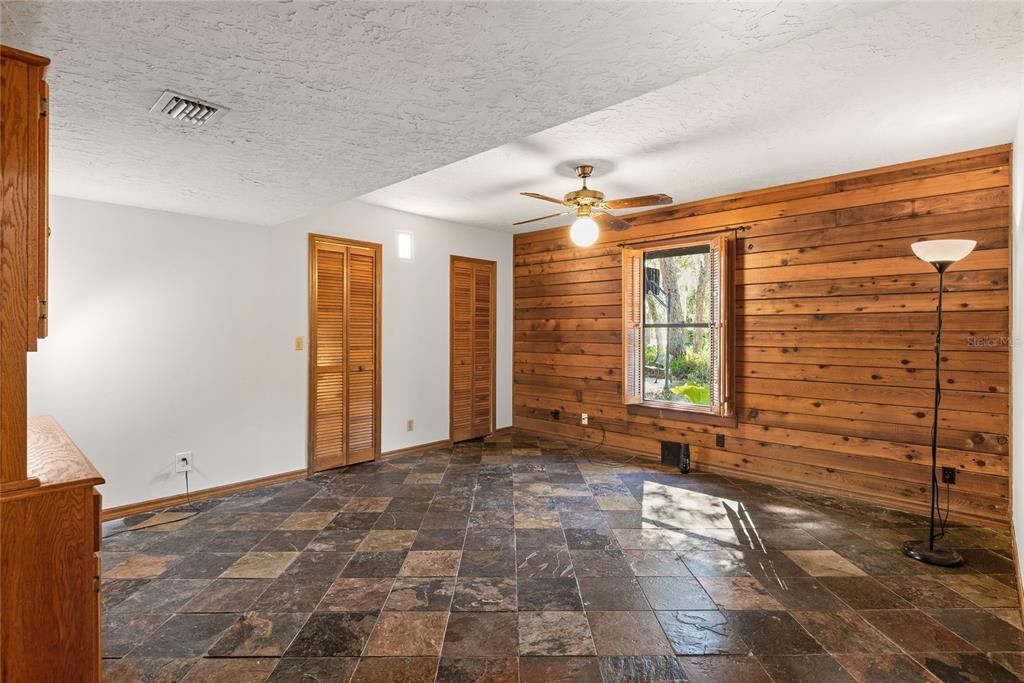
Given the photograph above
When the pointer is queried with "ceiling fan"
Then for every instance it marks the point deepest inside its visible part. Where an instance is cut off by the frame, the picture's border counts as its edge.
(591, 209)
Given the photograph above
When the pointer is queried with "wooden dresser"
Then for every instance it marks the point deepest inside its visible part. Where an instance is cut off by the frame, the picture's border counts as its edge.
(51, 564)
(49, 508)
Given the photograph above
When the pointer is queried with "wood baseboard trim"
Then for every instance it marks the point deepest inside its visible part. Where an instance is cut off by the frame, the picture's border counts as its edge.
(586, 445)
(899, 504)
(203, 494)
(413, 450)
(697, 466)
(424, 447)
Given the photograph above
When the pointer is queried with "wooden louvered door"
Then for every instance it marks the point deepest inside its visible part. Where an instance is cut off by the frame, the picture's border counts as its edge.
(472, 347)
(344, 352)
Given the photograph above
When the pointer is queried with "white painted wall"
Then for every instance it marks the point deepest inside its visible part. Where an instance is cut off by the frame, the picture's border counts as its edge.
(171, 332)
(414, 345)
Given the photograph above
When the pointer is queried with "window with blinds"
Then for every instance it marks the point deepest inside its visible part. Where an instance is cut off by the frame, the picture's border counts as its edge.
(677, 334)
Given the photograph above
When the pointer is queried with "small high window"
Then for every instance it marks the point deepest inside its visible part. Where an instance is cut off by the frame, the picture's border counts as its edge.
(676, 316)
(405, 246)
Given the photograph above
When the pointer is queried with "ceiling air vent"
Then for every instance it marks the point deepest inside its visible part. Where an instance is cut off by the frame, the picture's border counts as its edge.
(188, 109)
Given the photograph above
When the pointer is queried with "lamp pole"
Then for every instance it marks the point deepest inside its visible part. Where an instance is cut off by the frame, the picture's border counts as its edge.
(941, 254)
(935, 414)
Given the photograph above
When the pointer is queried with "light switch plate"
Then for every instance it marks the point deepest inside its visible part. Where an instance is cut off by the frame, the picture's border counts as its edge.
(300, 343)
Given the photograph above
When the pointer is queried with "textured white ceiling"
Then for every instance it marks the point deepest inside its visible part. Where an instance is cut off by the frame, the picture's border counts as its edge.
(906, 82)
(330, 100)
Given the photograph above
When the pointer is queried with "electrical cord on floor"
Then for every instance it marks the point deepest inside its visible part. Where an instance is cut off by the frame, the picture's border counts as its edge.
(936, 504)
(943, 520)
(579, 452)
(188, 502)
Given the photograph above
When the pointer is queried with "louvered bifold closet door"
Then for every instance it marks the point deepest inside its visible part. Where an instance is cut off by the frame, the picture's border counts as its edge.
(328, 353)
(362, 326)
(461, 350)
(483, 349)
(472, 347)
(344, 352)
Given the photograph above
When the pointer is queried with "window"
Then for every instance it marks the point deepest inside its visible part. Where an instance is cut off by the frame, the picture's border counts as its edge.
(676, 314)
(405, 246)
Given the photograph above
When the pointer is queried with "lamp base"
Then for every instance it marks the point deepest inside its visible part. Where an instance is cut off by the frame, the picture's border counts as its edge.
(937, 555)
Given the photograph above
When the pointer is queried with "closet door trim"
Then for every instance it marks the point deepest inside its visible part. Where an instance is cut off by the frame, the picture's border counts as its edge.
(341, 244)
(493, 266)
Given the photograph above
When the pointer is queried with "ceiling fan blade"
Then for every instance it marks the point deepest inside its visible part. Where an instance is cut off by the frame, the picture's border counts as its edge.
(541, 196)
(637, 202)
(607, 221)
(542, 218)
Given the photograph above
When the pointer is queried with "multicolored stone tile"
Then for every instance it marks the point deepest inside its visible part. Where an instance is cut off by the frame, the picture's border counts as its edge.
(489, 669)
(723, 669)
(142, 566)
(554, 634)
(519, 559)
(701, 632)
(184, 635)
(481, 634)
(628, 633)
(431, 563)
(332, 634)
(227, 595)
(407, 634)
(421, 594)
(485, 594)
(257, 634)
(259, 565)
(395, 670)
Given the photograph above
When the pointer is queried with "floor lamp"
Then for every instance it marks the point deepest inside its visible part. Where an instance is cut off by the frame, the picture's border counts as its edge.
(941, 254)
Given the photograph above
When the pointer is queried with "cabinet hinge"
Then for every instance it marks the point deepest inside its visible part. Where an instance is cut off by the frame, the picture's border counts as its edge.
(44, 106)
(41, 308)
(96, 584)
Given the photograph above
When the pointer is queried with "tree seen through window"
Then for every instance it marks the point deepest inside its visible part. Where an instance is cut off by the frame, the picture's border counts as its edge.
(676, 325)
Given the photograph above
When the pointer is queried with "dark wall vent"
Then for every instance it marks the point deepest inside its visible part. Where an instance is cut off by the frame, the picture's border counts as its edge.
(186, 108)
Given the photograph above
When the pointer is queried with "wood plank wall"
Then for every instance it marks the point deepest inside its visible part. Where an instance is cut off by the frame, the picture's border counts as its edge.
(834, 334)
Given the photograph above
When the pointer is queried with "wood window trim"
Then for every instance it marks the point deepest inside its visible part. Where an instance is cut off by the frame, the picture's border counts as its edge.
(682, 414)
(632, 315)
(327, 241)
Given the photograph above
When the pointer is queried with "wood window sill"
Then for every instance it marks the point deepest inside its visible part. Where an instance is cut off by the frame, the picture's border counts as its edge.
(682, 415)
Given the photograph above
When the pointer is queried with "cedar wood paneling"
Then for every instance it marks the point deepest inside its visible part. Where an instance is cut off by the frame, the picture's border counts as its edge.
(834, 334)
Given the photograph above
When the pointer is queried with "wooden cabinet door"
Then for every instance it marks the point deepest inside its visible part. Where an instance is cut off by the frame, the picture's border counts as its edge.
(22, 243)
(43, 224)
(344, 352)
(472, 347)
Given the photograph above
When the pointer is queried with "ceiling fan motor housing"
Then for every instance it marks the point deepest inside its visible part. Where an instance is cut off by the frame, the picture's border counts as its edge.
(587, 203)
(584, 197)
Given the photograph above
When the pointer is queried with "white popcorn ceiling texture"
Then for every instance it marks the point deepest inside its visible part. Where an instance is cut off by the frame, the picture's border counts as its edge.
(333, 100)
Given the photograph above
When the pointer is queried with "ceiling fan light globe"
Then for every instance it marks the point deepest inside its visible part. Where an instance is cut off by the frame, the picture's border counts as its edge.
(943, 251)
(583, 231)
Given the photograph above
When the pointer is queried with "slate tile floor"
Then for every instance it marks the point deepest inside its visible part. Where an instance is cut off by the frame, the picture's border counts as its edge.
(522, 559)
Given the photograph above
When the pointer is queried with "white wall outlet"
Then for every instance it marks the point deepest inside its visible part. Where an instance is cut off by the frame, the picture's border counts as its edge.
(409, 425)
(183, 462)
(584, 419)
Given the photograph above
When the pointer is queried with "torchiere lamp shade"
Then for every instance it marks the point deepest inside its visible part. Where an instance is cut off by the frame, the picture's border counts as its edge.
(943, 253)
